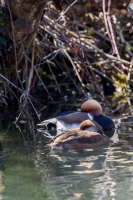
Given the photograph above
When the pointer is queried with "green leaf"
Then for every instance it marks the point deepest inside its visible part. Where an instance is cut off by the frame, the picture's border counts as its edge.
(91, 87)
(6, 22)
(2, 40)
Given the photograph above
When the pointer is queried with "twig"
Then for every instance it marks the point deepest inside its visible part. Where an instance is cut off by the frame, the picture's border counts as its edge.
(74, 67)
(64, 12)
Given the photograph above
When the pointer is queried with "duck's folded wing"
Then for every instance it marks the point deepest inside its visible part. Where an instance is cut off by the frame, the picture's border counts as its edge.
(81, 141)
(65, 137)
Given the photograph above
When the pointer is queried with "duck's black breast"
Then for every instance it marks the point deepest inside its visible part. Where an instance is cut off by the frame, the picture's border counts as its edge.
(106, 123)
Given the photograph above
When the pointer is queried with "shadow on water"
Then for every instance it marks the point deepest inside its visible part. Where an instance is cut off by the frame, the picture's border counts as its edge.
(19, 178)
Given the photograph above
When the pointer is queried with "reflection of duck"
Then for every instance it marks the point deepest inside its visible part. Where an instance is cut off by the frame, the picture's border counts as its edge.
(90, 109)
(88, 135)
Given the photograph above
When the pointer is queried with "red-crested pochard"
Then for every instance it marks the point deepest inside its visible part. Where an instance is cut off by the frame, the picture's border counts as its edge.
(90, 109)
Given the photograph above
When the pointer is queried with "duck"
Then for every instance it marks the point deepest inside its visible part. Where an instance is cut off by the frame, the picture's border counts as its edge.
(88, 135)
(90, 109)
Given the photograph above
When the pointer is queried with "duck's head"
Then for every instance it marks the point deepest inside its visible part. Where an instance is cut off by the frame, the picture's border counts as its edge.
(95, 109)
(92, 106)
(91, 126)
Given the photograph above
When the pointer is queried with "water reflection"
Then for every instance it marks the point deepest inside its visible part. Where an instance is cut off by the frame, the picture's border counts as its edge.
(77, 174)
(19, 178)
(102, 173)
(2, 187)
(37, 172)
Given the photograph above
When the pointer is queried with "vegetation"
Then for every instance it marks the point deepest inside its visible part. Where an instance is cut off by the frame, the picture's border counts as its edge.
(54, 51)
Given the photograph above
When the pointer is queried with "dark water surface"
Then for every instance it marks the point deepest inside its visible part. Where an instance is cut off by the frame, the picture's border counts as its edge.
(36, 172)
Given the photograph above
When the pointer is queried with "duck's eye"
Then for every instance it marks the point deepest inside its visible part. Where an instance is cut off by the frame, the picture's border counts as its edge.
(51, 126)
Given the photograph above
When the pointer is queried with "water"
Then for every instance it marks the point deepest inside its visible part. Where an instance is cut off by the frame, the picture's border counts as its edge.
(36, 172)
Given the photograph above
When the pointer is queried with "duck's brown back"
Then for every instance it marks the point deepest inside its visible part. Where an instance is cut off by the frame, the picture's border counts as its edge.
(79, 139)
